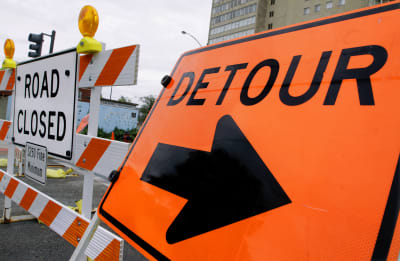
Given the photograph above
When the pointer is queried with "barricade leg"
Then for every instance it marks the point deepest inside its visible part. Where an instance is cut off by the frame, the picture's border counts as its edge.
(19, 161)
(83, 244)
(88, 180)
(94, 109)
(6, 211)
(87, 197)
(7, 218)
(10, 169)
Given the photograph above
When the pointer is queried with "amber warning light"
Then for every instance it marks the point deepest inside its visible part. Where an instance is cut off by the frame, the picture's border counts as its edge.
(88, 22)
(9, 49)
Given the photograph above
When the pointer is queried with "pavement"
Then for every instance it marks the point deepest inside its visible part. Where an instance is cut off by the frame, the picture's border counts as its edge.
(30, 240)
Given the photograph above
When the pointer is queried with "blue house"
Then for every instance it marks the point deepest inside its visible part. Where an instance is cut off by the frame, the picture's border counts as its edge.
(123, 115)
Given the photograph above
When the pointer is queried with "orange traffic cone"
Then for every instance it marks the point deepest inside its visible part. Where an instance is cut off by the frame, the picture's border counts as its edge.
(112, 136)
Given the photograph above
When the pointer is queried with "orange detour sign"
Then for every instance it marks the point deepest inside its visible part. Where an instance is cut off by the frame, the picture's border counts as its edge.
(278, 146)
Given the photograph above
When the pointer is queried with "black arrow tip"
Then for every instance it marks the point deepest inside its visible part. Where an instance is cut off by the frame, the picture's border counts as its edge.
(224, 186)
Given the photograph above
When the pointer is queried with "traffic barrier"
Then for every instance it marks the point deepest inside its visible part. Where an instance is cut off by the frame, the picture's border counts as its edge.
(87, 154)
(91, 156)
(62, 220)
(99, 155)
(111, 67)
(7, 79)
(4, 130)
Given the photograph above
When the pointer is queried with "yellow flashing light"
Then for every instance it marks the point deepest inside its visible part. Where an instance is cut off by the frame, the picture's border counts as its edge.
(88, 23)
(9, 49)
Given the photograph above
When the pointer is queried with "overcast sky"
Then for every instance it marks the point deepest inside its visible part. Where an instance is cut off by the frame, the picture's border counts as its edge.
(154, 24)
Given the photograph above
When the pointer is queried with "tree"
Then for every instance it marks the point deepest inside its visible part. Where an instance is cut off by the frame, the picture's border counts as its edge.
(124, 99)
(145, 108)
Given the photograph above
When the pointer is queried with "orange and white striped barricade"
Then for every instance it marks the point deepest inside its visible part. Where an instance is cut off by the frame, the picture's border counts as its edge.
(101, 156)
(7, 79)
(114, 67)
(91, 155)
(7, 83)
(62, 220)
(107, 68)
(5, 130)
(111, 67)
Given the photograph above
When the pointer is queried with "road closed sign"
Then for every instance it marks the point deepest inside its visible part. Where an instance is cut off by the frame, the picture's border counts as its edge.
(45, 103)
(282, 145)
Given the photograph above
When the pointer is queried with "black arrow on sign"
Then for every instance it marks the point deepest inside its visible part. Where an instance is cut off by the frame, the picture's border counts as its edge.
(226, 185)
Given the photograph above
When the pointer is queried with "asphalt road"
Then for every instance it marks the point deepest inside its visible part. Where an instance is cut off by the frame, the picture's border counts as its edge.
(31, 241)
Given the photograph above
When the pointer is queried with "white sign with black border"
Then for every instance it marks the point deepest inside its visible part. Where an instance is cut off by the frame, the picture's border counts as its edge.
(36, 162)
(44, 108)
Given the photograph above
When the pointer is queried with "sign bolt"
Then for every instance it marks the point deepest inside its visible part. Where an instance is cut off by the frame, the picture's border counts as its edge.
(166, 80)
(114, 175)
(67, 73)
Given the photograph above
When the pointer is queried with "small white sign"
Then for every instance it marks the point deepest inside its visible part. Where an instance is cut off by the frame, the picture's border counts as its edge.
(36, 162)
(44, 111)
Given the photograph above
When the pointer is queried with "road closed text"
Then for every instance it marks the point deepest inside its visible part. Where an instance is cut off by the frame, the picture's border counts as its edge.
(49, 124)
(44, 107)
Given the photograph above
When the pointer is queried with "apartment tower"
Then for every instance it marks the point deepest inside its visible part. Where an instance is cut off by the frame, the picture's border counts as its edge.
(235, 18)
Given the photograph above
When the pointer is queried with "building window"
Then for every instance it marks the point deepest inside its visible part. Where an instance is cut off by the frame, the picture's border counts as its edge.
(342, 2)
(270, 26)
(231, 36)
(317, 8)
(272, 2)
(233, 14)
(234, 25)
(306, 10)
(133, 114)
(271, 14)
(329, 4)
(228, 5)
